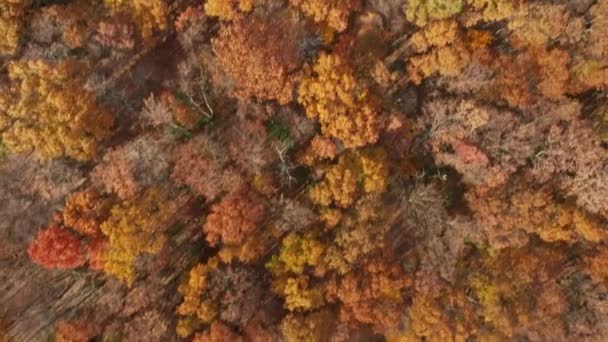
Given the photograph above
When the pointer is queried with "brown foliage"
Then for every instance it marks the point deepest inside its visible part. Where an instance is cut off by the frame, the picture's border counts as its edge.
(201, 164)
(79, 330)
(148, 326)
(127, 169)
(116, 34)
(218, 332)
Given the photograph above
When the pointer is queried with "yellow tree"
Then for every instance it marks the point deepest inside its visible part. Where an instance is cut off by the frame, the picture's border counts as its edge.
(296, 253)
(227, 9)
(148, 15)
(441, 50)
(355, 173)
(343, 105)
(420, 12)
(11, 22)
(134, 228)
(47, 110)
(335, 13)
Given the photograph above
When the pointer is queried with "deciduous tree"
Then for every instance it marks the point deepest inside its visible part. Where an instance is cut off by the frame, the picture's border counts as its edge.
(335, 14)
(48, 111)
(11, 22)
(344, 106)
(237, 215)
(149, 15)
(57, 247)
(249, 53)
(86, 210)
(133, 228)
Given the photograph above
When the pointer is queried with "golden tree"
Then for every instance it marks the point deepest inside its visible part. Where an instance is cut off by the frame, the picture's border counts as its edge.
(47, 110)
(11, 22)
(316, 326)
(296, 253)
(335, 13)
(441, 51)
(420, 12)
(133, 228)
(356, 173)
(227, 9)
(148, 15)
(343, 105)
(300, 295)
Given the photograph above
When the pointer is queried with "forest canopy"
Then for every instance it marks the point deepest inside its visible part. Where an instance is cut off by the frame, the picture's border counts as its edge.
(304, 170)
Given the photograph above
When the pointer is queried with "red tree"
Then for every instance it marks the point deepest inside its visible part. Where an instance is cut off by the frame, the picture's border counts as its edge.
(57, 247)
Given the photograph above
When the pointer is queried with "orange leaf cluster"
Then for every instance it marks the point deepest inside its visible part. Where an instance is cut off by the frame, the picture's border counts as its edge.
(249, 52)
(86, 210)
(236, 216)
(57, 247)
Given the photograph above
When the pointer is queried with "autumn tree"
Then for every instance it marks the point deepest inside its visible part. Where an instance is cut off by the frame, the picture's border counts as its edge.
(11, 23)
(316, 326)
(508, 293)
(115, 34)
(440, 49)
(596, 266)
(227, 9)
(344, 106)
(359, 234)
(133, 228)
(150, 325)
(202, 165)
(128, 169)
(48, 111)
(86, 210)
(355, 173)
(217, 332)
(421, 12)
(372, 294)
(296, 253)
(248, 53)
(149, 16)
(81, 329)
(573, 157)
(489, 10)
(217, 291)
(237, 215)
(57, 247)
(319, 148)
(534, 212)
(487, 145)
(299, 293)
(334, 14)
(536, 25)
